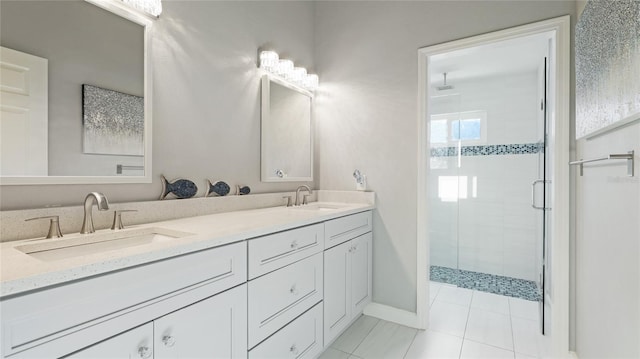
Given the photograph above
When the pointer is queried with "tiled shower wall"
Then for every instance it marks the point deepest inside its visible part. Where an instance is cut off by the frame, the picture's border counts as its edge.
(492, 228)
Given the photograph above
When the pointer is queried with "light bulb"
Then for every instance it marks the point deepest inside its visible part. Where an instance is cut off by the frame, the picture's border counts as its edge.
(284, 67)
(311, 82)
(298, 75)
(269, 60)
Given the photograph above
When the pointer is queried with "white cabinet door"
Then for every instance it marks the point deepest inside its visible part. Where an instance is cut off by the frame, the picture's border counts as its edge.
(337, 286)
(213, 328)
(361, 269)
(135, 343)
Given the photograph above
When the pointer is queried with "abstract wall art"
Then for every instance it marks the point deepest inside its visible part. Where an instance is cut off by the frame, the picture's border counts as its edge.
(607, 65)
(113, 122)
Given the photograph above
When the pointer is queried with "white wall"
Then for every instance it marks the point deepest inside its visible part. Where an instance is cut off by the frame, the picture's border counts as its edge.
(366, 56)
(206, 96)
(608, 250)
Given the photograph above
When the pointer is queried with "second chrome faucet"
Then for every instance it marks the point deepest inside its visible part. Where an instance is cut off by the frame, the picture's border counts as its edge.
(304, 199)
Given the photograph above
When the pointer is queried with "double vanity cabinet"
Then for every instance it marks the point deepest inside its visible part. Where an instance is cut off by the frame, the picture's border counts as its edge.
(287, 294)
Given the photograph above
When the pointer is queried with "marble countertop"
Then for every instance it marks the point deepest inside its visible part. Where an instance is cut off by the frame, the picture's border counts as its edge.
(20, 272)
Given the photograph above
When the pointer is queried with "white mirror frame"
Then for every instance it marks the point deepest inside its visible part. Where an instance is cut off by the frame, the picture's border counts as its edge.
(266, 175)
(122, 10)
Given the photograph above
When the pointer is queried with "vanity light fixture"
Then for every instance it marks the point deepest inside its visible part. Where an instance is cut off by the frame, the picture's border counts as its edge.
(271, 62)
(151, 7)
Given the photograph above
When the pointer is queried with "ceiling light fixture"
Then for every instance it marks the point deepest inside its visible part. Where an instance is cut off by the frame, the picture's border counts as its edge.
(151, 7)
(271, 62)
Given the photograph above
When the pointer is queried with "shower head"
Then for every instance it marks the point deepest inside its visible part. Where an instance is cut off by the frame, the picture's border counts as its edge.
(444, 85)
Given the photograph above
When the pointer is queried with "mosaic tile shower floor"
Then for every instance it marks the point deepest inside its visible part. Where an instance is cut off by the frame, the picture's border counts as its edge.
(491, 283)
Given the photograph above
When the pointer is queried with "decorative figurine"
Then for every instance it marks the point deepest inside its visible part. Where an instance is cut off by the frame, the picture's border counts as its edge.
(242, 190)
(181, 188)
(219, 188)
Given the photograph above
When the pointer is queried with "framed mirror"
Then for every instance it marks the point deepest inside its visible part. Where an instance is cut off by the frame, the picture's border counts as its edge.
(75, 95)
(286, 132)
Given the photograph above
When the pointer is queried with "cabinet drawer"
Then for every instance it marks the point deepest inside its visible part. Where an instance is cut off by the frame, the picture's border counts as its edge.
(39, 317)
(342, 229)
(130, 344)
(279, 297)
(271, 252)
(301, 338)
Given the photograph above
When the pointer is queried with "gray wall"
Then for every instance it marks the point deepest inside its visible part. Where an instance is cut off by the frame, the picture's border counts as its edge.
(366, 55)
(206, 97)
(83, 45)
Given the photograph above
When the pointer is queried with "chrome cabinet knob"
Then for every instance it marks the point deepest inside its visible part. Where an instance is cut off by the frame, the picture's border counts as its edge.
(294, 244)
(145, 352)
(294, 350)
(168, 340)
(293, 290)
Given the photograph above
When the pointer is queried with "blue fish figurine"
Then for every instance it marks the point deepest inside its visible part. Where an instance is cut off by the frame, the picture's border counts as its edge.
(219, 188)
(242, 190)
(181, 188)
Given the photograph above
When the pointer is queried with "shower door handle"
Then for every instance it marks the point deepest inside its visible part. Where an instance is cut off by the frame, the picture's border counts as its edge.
(533, 193)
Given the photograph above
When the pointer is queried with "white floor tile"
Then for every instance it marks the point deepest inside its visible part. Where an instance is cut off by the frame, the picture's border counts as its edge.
(491, 302)
(355, 334)
(434, 288)
(428, 344)
(448, 318)
(471, 349)
(526, 309)
(526, 337)
(455, 295)
(489, 328)
(331, 353)
(386, 340)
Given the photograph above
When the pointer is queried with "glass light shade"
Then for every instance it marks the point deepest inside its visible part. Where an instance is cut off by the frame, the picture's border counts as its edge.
(269, 60)
(284, 68)
(152, 7)
(311, 82)
(298, 75)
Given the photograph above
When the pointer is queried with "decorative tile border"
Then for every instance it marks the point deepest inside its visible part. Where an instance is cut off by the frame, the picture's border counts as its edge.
(491, 283)
(488, 150)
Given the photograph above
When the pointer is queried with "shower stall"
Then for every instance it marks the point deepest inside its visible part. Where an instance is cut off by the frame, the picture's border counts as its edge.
(486, 178)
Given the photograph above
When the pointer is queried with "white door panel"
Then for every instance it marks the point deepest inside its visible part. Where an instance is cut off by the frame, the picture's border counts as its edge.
(23, 114)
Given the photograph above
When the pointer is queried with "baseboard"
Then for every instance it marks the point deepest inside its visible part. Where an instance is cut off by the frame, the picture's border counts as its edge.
(573, 355)
(392, 314)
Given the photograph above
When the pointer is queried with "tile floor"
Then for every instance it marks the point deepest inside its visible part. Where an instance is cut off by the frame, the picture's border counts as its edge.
(463, 324)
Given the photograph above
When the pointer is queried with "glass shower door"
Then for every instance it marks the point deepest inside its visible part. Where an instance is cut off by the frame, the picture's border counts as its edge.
(444, 188)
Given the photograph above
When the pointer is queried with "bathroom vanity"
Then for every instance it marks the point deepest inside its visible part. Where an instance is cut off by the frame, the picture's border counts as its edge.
(275, 282)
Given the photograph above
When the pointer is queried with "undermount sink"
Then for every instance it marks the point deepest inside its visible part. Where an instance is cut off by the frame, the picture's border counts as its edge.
(64, 248)
(321, 206)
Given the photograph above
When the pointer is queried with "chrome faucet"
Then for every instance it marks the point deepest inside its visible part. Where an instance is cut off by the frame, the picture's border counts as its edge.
(101, 201)
(304, 200)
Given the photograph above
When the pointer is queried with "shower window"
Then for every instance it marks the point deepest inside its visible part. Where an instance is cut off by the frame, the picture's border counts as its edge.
(469, 126)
